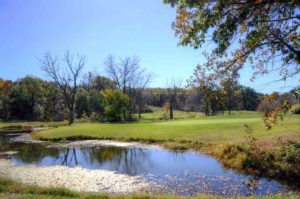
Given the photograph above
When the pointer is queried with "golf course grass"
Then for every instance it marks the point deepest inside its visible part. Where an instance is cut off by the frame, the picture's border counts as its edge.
(203, 129)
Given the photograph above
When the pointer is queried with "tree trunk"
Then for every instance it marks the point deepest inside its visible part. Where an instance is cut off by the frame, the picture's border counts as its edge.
(71, 117)
(139, 107)
(171, 111)
(229, 104)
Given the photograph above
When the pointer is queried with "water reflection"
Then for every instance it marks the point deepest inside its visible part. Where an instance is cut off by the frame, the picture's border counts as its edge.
(130, 161)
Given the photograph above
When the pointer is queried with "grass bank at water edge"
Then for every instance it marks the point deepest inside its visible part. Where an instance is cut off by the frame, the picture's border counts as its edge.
(11, 189)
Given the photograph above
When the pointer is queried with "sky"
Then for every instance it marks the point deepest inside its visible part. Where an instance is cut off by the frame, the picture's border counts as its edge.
(97, 28)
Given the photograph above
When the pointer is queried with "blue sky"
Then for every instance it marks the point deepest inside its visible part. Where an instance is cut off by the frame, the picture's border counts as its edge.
(97, 28)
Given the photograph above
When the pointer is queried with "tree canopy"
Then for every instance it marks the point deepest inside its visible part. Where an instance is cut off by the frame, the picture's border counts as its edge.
(260, 32)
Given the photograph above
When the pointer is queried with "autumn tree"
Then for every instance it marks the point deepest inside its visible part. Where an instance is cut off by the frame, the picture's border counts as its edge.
(257, 32)
(263, 33)
(5, 89)
(65, 73)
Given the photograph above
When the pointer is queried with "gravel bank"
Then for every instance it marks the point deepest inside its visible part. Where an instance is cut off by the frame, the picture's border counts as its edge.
(93, 143)
(76, 178)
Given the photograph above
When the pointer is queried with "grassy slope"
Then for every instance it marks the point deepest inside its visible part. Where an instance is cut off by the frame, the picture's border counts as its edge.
(212, 129)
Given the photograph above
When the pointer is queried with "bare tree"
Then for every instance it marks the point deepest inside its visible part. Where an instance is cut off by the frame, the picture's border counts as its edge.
(173, 88)
(65, 73)
(125, 72)
(143, 81)
(130, 77)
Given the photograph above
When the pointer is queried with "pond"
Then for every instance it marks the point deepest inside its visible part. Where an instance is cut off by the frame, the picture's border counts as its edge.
(184, 173)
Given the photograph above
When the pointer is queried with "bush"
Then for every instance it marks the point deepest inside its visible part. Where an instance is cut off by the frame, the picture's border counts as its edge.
(115, 104)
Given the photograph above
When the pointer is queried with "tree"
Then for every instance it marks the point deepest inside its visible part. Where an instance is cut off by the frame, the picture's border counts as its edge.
(101, 83)
(258, 32)
(229, 86)
(173, 88)
(82, 103)
(143, 81)
(205, 84)
(250, 99)
(129, 77)
(217, 101)
(124, 73)
(65, 76)
(115, 103)
(5, 89)
(54, 108)
(27, 99)
(92, 85)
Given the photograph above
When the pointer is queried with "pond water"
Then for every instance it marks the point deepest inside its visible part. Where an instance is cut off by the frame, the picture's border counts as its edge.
(184, 173)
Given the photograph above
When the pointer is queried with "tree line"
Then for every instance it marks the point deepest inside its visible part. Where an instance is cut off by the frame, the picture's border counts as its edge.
(122, 95)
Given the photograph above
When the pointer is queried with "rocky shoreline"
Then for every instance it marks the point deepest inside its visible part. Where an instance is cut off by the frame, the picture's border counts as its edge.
(73, 178)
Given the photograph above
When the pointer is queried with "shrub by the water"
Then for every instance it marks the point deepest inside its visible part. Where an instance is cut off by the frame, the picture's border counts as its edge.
(281, 161)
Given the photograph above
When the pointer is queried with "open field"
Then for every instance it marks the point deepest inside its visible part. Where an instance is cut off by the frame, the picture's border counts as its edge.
(204, 129)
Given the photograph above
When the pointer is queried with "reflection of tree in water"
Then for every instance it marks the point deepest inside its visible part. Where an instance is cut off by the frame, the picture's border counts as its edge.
(69, 157)
(32, 153)
(123, 160)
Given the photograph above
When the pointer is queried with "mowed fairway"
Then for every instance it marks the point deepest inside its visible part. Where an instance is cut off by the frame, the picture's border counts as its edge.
(212, 129)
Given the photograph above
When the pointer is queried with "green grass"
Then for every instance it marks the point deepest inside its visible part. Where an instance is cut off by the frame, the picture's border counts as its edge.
(158, 113)
(204, 129)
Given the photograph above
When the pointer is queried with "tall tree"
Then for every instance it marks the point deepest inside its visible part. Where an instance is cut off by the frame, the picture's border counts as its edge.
(124, 73)
(65, 73)
(27, 99)
(259, 32)
(173, 88)
(204, 82)
(250, 98)
(53, 104)
(142, 83)
(229, 86)
(129, 77)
